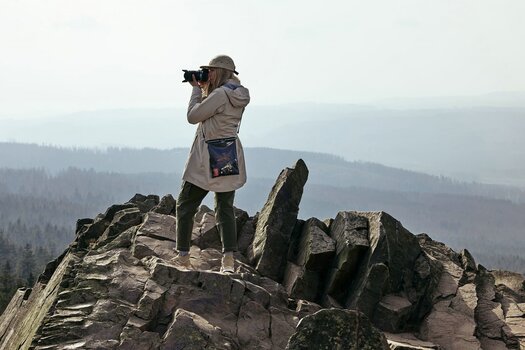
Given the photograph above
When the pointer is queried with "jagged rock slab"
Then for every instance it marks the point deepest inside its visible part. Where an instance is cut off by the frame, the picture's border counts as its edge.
(166, 206)
(379, 257)
(276, 222)
(350, 233)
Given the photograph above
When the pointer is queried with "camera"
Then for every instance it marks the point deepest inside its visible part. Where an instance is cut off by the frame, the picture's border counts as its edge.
(200, 75)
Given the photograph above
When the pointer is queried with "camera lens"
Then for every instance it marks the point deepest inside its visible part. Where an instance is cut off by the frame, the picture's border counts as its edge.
(200, 75)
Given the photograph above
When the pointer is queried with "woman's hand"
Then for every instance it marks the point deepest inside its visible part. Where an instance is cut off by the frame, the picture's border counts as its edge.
(194, 82)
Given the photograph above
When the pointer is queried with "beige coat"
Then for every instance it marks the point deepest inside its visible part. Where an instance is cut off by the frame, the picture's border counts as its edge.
(218, 116)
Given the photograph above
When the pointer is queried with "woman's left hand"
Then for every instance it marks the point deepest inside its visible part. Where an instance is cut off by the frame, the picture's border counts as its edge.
(193, 82)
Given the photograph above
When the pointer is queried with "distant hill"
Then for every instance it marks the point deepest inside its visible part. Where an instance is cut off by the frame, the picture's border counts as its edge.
(262, 163)
(482, 144)
(39, 185)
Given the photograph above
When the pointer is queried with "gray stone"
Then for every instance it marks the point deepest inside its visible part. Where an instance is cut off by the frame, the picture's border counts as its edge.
(488, 313)
(145, 203)
(316, 248)
(158, 226)
(301, 283)
(350, 232)
(191, 331)
(245, 236)
(166, 206)
(276, 222)
(122, 220)
(330, 329)
(205, 233)
(467, 261)
(392, 313)
(449, 328)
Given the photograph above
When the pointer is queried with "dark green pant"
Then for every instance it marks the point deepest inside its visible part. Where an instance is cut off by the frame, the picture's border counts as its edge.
(190, 197)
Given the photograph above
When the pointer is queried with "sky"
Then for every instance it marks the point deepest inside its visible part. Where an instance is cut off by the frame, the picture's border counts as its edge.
(61, 56)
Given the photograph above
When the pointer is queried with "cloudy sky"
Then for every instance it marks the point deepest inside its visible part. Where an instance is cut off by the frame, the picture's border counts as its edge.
(71, 55)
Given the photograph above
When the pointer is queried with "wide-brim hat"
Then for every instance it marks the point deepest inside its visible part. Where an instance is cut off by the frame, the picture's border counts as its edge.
(222, 61)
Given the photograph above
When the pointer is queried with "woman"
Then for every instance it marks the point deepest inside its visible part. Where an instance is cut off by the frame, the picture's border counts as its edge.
(217, 106)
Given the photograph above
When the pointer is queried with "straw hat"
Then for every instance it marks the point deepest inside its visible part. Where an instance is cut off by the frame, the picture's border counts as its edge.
(222, 61)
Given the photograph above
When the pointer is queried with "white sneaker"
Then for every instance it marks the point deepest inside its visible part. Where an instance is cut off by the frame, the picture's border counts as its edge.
(228, 263)
(182, 260)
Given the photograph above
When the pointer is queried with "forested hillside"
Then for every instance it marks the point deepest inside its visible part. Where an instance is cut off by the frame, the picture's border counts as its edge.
(325, 169)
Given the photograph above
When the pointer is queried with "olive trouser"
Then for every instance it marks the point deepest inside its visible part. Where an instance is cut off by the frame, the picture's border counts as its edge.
(190, 197)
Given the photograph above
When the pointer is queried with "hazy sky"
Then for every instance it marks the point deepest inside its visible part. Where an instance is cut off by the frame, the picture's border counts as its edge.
(71, 55)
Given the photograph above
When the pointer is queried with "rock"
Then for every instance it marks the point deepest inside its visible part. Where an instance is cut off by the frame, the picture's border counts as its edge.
(276, 222)
(122, 220)
(206, 232)
(488, 313)
(301, 283)
(337, 329)
(50, 269)
(465, 300)
(450, 323)
(81, 223)
(145, 203)
(467, 261)
(512, 280)
(449, 328)
(158, 226)
(190, 331)
(241, 217)
(89, 233)
(350, 233)
(112, 210)
(392, 313)
(312, 252)
(387, 267)
(316, 248)
(245, 236)
(166, 206)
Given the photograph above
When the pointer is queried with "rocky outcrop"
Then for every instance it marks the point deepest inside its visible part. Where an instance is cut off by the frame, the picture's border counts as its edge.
(344, 282)
(276, 222)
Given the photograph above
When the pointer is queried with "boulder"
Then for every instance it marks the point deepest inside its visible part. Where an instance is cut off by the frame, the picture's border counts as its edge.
(276, 222)
(301, 283)
(166, 206)
(122, 220)
(315, 248)
(387, 267)
(337, 329)
(145, 203)
(350, 233)
(191, 331)
(392, 313)
(205, 230)
(489, 313)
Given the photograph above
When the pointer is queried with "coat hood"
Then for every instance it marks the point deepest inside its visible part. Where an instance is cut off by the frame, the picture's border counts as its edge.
(238, 95)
